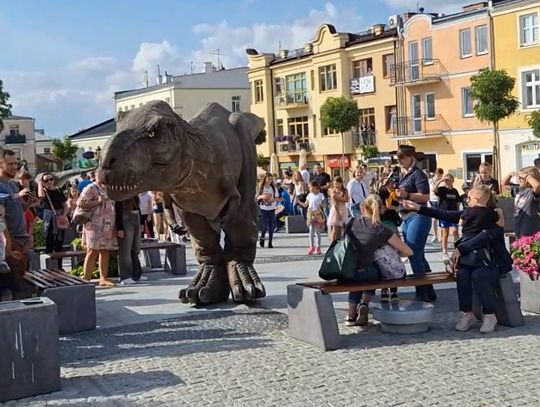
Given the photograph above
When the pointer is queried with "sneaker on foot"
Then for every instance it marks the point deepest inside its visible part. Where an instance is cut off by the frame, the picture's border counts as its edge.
(445, 255)
(394, 297)
(384, 296)
(488, 325)
(270, 245)
(261, 242)
(318, 250)
(466, 321)
(142, 278)
(350, 321)
(311, 250)
(4, 268)
(127, 281)
(363, 311)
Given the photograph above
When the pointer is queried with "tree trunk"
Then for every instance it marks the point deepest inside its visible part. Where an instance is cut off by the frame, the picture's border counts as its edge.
(496, 152)
(342, 156)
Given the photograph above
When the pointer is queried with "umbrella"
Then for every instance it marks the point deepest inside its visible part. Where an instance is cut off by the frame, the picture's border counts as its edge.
(274, 166)
(303, 158)
(88, 155)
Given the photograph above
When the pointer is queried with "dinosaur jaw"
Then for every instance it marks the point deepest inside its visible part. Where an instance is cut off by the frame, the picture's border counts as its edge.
(121, 188)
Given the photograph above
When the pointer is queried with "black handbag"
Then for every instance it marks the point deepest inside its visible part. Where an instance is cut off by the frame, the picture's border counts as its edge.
(477, 258)
(341, 259)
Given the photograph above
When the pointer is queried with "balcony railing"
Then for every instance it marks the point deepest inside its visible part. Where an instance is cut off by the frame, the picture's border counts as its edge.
(288, 100)
(419, 127)
(417, 72)
(15, 139)
(293, 147)
(364, 137)
(364, 84)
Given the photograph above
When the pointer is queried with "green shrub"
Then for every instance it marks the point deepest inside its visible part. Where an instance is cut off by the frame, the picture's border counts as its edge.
(39, 237)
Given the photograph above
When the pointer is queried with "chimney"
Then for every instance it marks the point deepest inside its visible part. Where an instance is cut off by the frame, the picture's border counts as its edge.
(159, 78)
(475, 6)
(208, 67)
(283, 53)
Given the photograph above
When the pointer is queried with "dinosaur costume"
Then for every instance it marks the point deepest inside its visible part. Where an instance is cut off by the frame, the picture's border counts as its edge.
(208, 168)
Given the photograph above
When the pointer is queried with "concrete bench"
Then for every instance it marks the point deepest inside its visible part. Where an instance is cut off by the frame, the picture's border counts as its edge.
(30, 362)
(296, 224)
(75, 298)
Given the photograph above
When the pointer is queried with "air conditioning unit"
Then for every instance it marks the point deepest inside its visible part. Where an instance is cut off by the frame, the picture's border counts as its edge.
(395, 21)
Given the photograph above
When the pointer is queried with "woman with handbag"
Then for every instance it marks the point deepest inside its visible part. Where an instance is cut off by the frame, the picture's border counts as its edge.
(99, 232)
(55, 221)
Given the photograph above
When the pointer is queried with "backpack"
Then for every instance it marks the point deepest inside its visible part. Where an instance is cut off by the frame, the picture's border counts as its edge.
(341, 259)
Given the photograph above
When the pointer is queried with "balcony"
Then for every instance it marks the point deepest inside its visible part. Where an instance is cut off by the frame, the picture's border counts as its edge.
(365, 84)
(15, 139)
(417, 72)
(419, 127)
(291, 100)
(292, 147)
(364, 137)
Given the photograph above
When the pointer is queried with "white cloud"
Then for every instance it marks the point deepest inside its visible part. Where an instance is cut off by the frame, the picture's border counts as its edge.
(431, 6)
(232, 41)
(150, 54)
(95, 64)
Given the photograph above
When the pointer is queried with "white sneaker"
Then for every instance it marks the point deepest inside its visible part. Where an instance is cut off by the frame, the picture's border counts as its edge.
(143, 278)
(127, 281)
(465, 322)
(488, 325)
(445, 255)
(434, 239)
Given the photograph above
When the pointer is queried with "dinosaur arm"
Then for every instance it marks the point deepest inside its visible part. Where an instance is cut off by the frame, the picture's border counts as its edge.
(169, 214)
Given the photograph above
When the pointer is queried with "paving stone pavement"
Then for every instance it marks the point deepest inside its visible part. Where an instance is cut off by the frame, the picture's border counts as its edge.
(243, 357)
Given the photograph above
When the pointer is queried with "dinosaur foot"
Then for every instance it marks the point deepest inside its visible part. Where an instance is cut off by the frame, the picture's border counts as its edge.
(244, 282)
(209, 286)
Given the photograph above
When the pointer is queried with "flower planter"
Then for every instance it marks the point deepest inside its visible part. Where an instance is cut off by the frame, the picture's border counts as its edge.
(530, 294)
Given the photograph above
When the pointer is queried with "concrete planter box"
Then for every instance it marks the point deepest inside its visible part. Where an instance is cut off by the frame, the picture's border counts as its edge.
(30, 363)
(296, 224)
(507, 206)
(529, 294)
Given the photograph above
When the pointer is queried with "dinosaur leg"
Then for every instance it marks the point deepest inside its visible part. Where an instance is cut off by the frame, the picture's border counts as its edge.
(240, 247)
(210, 285)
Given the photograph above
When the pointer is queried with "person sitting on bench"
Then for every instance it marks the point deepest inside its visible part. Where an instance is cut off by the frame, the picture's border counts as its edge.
(479, 257)
(372, 235)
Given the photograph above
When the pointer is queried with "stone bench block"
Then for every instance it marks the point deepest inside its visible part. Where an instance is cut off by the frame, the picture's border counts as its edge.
(152, 258)
(76, 307)
(175, 260)
(296, 224)
(508, 312)
(403, 316)
(312, 318)
(30, 363)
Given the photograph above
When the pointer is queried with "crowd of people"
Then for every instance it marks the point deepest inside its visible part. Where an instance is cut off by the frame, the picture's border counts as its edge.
(391, 211)
(108, 226)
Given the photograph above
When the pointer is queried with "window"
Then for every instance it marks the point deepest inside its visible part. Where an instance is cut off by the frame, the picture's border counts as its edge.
(132, 107)
(430, 106)
(278, 85)
(327, 131)
(390, 118)
(528, 29)
(530, 87)
(258, 91)
(327, 78)
(296, 88)
(481, 40)
(279, 127)
(235, 103)
(465, 43)
(388, 68)
(299, 127)
(367, 126)
(362, 68)
(14, 130)
(427, 51)
(46, 150)
(466, 102)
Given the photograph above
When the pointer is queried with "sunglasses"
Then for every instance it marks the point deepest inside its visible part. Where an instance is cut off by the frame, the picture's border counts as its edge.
(48, 179)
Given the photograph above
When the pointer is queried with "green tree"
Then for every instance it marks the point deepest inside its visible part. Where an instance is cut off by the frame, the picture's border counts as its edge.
(370, 151)
(261, 137)
(491, 89)
(534, 122)
(65, 151)
(340, 114)
(262, 161)
(5, 107)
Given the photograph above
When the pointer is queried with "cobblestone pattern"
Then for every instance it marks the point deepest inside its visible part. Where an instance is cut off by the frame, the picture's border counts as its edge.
(245, 358)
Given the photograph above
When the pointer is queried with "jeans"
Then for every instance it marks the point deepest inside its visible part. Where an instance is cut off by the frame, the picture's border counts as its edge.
(268, 223)
(129, 247)
(300, 210)
(314, 236)
(415, 233)
(480, 280)
(367, 275)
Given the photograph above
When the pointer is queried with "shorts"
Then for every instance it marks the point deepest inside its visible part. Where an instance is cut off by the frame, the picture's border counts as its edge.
(445, 225)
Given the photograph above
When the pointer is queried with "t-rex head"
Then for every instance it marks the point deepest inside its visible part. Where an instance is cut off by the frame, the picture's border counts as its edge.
(140, 155)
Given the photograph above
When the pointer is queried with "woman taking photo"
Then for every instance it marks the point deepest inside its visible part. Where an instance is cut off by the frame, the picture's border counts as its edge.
(300, 193)
(484, 178)
(54, 214)
(414, 186)
(267, 197)
(99, 234)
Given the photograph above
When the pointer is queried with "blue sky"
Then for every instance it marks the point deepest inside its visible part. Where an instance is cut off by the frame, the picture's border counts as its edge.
(62, 60)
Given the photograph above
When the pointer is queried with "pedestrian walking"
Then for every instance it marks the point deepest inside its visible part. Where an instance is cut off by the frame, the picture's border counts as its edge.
(315, 217)
(448, 200)
(267, 198)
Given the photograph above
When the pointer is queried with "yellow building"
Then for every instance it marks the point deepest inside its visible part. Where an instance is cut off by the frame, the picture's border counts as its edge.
(188, 94)
(436, 57)
(517, 50)
(19, 135)
(288, 90)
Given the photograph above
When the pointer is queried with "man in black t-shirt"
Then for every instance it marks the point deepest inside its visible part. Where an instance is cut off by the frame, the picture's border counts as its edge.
(324, 180)
(449, 199)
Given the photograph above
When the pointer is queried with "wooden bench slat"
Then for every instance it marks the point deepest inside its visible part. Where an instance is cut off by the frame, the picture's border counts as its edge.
(144, 246)
(37, 281)
(65, 277)
(52, 278)
(408, 281)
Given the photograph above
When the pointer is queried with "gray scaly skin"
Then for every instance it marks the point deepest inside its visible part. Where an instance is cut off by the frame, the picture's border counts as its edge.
(207, 167)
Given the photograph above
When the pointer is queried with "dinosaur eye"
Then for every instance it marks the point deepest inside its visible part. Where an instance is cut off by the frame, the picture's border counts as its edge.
(151, 134)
